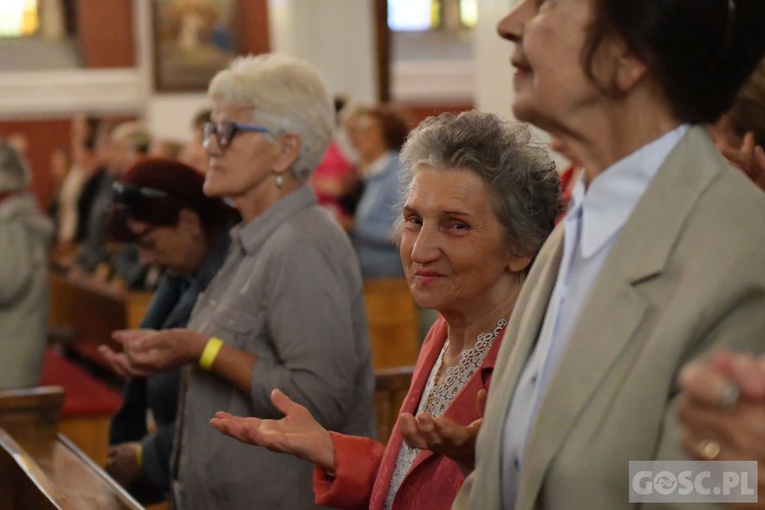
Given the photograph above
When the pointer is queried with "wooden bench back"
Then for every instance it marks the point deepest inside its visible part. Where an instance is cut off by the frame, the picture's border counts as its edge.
(83, 316)
(393, 322)
(40, 469)
(391, 387)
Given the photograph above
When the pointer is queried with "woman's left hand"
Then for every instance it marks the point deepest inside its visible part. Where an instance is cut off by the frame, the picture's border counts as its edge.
(443, 436)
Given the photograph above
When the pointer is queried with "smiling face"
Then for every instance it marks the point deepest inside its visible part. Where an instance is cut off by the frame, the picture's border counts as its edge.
(452, 245)
(550, 81)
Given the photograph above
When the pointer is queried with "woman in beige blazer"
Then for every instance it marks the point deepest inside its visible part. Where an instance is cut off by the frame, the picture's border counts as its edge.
(659, 260)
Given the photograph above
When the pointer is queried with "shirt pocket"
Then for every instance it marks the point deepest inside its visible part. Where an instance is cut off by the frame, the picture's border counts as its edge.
(233, 326)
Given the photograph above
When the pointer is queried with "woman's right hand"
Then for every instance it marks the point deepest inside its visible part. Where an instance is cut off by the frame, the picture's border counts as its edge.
(298, 433)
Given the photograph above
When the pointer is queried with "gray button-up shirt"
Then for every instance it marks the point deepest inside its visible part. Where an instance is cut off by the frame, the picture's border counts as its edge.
(290, 292)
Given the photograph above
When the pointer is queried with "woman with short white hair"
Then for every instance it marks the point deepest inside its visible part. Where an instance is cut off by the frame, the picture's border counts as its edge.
(286, 309)
(26, 236)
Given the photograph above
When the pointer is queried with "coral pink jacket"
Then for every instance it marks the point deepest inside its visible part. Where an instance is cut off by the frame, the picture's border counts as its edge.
(364, 466)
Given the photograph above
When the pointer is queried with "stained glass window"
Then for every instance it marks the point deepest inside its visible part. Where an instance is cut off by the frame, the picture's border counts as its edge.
(19, 18)
(424, 15)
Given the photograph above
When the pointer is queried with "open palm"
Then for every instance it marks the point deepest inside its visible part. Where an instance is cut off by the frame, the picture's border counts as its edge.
(298, 433)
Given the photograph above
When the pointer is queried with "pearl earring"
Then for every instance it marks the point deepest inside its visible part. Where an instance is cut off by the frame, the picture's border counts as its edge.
(279, 181)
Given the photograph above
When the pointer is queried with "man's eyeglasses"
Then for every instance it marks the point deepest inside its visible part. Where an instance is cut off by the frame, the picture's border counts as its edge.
(226, 131)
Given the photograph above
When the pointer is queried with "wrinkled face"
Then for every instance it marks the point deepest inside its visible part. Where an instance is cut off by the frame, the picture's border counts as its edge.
(452, 245)
(244, 166)
(168, 247)
(550, 82)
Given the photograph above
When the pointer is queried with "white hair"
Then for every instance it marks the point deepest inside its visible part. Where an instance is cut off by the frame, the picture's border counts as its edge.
(287, 95)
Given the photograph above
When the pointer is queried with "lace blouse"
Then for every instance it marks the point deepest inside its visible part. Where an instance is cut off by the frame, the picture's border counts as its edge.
(436, 398)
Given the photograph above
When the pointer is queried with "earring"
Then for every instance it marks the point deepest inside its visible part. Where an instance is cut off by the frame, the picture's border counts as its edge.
(279, 181)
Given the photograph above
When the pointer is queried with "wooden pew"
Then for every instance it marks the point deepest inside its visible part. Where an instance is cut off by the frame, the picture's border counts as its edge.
(393, 322)
(87, 314)
(88, 404)
(41, 469)
(391, 387)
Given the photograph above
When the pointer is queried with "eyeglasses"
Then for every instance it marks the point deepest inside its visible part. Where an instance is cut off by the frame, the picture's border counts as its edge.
(226, 131)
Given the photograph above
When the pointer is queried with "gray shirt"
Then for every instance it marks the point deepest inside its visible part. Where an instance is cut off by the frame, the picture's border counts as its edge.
(290, 293)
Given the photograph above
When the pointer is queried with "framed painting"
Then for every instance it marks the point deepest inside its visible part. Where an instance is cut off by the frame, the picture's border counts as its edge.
(193, 40)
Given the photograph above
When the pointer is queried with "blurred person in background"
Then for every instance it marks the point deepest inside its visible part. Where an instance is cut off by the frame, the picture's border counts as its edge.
(159, 206)
(377, 133)
(193, 152)
(119, 147)
(740, 132)
(26, 236)
(335, 179)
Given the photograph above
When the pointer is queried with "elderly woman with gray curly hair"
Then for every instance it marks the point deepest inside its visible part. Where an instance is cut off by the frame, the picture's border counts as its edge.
(286, 309)
(26, 235)
(480, 202)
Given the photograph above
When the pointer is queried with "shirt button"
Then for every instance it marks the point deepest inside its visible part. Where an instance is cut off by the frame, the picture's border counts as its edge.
(534, 379)
(516, 463)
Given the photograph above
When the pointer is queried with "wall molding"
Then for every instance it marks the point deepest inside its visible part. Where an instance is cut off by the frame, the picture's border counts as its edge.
(50, 94)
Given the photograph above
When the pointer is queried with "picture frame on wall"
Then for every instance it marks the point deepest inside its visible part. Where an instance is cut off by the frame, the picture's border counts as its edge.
(193, 40)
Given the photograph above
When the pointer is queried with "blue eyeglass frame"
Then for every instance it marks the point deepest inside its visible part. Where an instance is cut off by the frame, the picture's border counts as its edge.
(211, 128)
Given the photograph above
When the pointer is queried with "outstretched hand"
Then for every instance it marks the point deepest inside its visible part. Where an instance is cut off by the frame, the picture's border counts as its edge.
(443, 436)
(298, 433)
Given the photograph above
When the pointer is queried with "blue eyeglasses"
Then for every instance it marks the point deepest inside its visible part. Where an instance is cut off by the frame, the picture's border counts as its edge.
(226, 131)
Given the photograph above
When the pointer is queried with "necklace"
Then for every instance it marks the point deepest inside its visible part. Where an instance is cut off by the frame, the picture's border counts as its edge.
(437, 398)
(441, 395)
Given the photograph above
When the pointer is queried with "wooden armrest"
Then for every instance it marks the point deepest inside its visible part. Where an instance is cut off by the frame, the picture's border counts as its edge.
(55, 474)
(40, 398)
(31, 412)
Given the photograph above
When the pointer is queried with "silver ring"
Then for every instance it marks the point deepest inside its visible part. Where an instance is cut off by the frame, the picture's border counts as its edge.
(730, 395)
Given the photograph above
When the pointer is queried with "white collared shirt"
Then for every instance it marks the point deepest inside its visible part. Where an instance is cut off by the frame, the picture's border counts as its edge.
(595, 217)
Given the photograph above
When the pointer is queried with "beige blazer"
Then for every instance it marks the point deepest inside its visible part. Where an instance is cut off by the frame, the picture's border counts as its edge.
(686, 275)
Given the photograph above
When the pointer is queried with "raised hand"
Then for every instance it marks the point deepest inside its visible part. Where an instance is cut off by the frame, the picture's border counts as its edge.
(298, 433)
(749, 157)
(443, 436)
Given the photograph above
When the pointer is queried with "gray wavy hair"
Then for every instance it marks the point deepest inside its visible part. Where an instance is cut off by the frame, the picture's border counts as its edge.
(520, 175)
(287, 95)
(14, 171)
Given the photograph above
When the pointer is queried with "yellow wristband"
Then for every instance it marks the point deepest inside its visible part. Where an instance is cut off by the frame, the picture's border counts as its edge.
(211, 351)
(139, 455)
